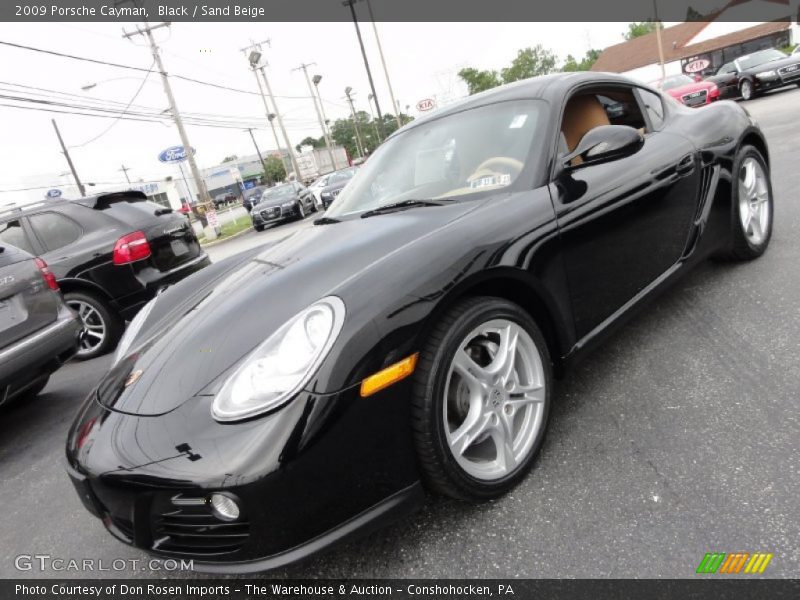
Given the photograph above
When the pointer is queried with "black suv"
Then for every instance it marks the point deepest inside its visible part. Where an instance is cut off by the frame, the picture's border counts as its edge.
(109, 253)
(38, 333)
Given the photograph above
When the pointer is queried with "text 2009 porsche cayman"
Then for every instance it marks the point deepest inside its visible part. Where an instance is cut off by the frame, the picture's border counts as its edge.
(290, 397)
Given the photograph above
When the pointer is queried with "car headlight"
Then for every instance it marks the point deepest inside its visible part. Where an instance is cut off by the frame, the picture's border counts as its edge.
(277, 369)
(133, 330)
(767, 75)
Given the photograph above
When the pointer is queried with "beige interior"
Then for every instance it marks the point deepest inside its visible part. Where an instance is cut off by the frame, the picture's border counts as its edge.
(581, 115)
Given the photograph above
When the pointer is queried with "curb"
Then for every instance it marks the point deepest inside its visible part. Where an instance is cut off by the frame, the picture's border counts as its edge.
(230, 237)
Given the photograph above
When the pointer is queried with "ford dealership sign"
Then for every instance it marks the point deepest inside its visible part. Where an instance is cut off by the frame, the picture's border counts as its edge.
(174, 154)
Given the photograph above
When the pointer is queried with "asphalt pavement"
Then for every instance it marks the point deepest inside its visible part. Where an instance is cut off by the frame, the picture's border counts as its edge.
(680, 436)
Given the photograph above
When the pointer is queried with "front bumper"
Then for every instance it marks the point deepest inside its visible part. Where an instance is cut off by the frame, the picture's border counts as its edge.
(39, 354)
(273, 214)
(317, 471)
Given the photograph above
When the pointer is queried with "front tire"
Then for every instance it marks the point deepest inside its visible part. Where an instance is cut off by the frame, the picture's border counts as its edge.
(751, 227)
(102, 326)
(258, 227)
(481, 399)
(300, 210)
(746, 90)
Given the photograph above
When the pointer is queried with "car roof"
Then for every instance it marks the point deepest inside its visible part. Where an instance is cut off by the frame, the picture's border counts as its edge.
(551, 88)
(97, 200)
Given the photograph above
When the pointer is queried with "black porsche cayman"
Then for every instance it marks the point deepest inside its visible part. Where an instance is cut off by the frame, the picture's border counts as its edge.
(308, 390)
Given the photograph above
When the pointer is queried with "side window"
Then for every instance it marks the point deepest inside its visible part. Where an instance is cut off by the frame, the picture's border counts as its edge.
(654, 107)
(11, 232)
(588, 109)
(54, 230)
(726, 68)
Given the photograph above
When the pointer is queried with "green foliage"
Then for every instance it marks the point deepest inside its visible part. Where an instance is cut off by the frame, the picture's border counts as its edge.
(584, 64)
(694, 15)
(529, 62)
(788, 49)
(310, 141)
(230, 158)
(639, 29)
(275, 169)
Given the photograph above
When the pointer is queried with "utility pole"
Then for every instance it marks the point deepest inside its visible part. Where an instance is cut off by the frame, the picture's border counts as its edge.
(254, 58)
(304, 67)
(328, 139)
(125, 170)
(658, 41)
(258, 151)
(359, 144)
(147, 31)
(383, 62)
(372, 114)
(351, 4)
(64, 150)
(270, 115)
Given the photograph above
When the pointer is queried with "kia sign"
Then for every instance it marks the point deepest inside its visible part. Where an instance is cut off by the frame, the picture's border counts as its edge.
(701, 64)
(174, 154)
(425, 105)
(54, 193)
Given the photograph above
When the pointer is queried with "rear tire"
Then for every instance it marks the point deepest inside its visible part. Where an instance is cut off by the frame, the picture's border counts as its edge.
(103, 327)
(477, 434)
(751, 224)
(258, 227)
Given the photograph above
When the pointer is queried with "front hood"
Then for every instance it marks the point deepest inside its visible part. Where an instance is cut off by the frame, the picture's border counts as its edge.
(690, 87)
(774, 65)
(206, 325)
(269, 203)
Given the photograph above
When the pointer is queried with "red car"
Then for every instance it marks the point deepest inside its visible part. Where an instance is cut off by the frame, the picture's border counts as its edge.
(689, 91)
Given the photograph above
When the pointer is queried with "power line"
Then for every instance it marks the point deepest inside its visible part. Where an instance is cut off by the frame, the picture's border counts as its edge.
(122, 114)
(143, 70)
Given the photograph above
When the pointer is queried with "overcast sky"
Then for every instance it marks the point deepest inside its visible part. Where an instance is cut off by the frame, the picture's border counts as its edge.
(423, 59)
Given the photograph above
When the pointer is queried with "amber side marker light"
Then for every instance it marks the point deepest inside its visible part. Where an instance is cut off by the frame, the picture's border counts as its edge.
(388, 376)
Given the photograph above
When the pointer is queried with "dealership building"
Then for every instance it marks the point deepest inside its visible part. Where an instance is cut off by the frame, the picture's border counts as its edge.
(703, 46)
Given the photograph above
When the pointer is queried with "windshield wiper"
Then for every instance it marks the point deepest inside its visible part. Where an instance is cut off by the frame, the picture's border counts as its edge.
(395, 206)
(326, 221)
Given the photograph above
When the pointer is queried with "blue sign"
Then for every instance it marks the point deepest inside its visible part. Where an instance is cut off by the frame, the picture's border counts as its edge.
(54, 193)
(174, 154)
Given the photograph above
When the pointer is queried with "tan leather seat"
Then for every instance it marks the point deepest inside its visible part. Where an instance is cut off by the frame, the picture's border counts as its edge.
(581, 115)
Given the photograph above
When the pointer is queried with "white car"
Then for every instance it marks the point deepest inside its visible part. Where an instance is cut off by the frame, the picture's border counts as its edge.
(316, 188)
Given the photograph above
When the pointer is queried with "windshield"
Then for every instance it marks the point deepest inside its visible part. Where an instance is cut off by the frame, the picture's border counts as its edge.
(465, 154)
(281, 191)
(759, 58)
(676, 81)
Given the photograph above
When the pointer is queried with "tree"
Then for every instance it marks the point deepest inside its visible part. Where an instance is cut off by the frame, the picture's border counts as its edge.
(479, 81)
(694, 15)
(275, 169)
(529, 62)
(310, 141)
(230, 158)
(584, 64)
(639, 29)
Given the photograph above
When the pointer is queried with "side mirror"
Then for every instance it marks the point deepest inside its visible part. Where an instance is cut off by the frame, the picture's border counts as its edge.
(605, 143)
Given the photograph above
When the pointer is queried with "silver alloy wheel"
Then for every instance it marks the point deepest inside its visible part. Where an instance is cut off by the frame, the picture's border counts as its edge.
(300, 210)
(94, 326)
(747, 90)
(494, 400)
(754, 208)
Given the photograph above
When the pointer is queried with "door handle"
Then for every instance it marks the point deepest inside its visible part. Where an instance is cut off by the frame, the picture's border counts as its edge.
(686, 165)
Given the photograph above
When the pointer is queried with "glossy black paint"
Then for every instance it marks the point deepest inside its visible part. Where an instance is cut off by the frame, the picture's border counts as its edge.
(329, 193)
(85, 264)
(579, 248)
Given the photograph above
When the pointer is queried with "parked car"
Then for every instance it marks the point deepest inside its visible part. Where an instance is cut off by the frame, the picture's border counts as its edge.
(38, 333)
(750, 75)
(335, 184)
(316, 188)
(109, 253)
(689, 91)
(224, 199)
(282, 202)
(252, 196)
(411, 336)
(796, 50)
